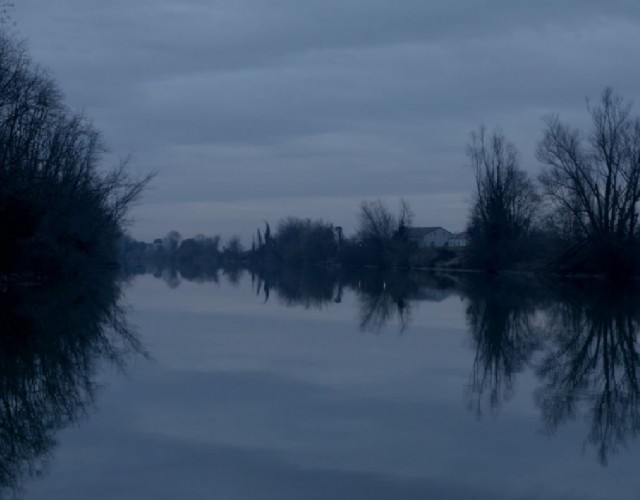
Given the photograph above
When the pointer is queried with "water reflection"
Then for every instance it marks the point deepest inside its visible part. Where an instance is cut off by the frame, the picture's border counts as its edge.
(591, 365)
(577, 340)
(501, 318)
(587, 361)
(51, 342)
(382, 297)
(388, 297)
(307, 287)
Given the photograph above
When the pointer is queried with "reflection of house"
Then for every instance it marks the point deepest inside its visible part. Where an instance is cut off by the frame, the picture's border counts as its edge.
(430, 236)
(458, 240)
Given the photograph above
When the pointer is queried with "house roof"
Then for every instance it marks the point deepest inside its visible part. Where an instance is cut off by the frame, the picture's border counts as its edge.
(461, 236)
(419, 232)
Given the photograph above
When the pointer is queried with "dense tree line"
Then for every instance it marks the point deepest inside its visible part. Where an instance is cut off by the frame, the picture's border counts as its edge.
(198, 256)
(382, 241)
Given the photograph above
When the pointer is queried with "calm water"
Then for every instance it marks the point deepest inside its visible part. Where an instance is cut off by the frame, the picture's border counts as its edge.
(309, 387)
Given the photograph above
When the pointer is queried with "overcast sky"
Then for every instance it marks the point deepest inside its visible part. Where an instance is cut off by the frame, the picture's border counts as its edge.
(252, 110)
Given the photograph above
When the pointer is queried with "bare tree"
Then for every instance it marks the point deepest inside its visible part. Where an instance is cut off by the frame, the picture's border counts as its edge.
(57, 205)
(376, 221)
(593, 183)
(383, 236)
(505, 201)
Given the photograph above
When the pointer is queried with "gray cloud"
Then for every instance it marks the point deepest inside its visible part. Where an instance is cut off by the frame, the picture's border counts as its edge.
(255, 102)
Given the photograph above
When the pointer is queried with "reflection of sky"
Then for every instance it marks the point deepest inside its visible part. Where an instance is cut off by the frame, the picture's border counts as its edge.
(245, 400)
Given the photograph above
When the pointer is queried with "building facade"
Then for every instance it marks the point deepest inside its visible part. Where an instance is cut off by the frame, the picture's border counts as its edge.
(430, 236)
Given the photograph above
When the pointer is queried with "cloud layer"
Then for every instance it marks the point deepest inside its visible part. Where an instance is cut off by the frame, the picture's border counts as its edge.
(251, 110)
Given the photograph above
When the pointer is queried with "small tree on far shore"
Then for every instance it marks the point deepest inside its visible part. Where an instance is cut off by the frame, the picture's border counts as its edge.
(233, 250)
(382, 237)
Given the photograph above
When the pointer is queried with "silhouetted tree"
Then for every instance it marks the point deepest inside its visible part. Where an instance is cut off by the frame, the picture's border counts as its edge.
(49, 171)
(305, 241)
(376, 222)
(267, 234)
(593, 182)
(504, 205)
(234, 245)
(382, 237)
(199, 256)
(172, 241)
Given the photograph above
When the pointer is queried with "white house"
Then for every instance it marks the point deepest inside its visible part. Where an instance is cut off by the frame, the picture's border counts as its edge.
(458, 240)
(430, 236)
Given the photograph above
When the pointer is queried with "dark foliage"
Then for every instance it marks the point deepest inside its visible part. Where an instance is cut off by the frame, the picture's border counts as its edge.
(501, 219)
(304, 241)
(382, 239)
(593, 183)
(58, 212)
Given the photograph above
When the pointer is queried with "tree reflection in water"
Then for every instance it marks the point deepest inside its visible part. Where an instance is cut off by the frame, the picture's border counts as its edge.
(382, 297)
(309, 287)
(579, 341)
(591, 365)
(385, 297)
(52, 340)
(586, 337)
(500, 314)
